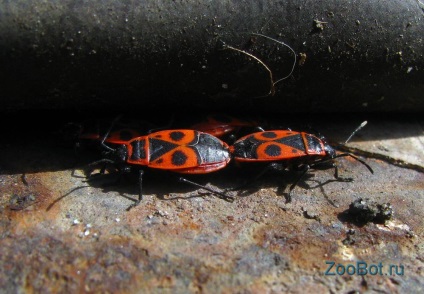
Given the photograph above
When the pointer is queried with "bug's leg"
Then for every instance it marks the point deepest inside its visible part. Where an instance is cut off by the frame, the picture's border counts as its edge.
(336, 174)
(103, 169)
(123, 169)
(140, 185)
(104, 161)
(219, 194)
(117, 180)
(357, 159)
(336, 171)
(334, 165)
(304, 172)
(326, 164)
(140, 190)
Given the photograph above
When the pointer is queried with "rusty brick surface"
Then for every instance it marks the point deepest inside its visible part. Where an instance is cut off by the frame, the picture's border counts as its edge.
(75, 236)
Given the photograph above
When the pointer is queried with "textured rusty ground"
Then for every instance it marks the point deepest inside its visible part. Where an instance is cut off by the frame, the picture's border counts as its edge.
(180, 239)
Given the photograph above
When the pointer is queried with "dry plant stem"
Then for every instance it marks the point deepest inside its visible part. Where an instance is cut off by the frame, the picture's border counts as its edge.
(284, 44)
(272, 90)
(272, 87)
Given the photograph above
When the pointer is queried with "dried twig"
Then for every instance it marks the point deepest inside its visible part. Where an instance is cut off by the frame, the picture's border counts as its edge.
(272, 90)
(271, 77)
(284, 44)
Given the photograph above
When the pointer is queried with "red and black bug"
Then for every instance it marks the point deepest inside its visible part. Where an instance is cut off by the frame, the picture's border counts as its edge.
(181, 150)
(222, 125)
(289, 149)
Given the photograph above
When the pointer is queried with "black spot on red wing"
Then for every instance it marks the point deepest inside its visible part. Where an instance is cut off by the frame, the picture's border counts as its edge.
(269, 135)
(178, 158)
(294, 141)
(125, 135)
(176, 135)
(294, 150)
(157, 148)
(273, 150)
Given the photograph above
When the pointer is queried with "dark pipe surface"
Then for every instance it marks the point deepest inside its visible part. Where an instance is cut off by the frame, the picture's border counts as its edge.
(351, 55)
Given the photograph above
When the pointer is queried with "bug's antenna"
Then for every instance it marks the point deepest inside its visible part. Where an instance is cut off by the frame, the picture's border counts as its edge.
(363, 124)
(102, 142)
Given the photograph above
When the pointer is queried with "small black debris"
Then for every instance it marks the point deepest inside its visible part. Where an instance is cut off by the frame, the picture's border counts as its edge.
(366, 210)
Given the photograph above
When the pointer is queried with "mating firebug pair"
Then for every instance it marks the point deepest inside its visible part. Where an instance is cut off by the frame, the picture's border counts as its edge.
(194, 151)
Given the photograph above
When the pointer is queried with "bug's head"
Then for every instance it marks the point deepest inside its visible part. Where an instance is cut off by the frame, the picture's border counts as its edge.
(117, 154)
(121, 153)
(329, 151)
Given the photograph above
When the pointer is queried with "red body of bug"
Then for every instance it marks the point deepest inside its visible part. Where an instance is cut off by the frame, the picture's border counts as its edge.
(183, 151)
(281, 145)
(288, 149)
(220, 125)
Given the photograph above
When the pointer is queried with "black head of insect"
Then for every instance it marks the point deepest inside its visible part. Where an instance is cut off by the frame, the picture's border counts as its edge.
(119, 154)
(330, 152)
